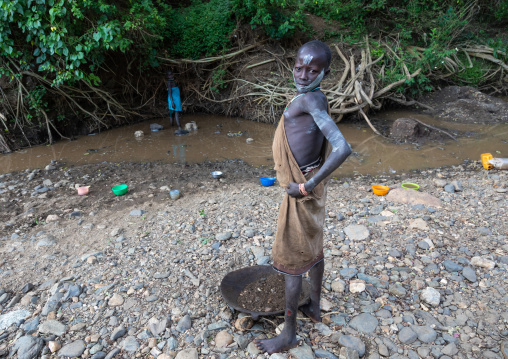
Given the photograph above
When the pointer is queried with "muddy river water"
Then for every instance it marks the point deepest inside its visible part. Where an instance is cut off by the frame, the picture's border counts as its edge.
(222, 138)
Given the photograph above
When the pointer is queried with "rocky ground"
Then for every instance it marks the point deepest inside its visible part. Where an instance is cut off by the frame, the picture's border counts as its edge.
(408, 275)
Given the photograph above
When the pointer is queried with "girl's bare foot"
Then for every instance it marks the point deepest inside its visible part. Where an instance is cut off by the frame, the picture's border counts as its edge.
(276, 345)
(312, 311)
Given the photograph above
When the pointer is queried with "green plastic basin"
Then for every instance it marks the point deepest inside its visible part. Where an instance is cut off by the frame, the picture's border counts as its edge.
(120, 190)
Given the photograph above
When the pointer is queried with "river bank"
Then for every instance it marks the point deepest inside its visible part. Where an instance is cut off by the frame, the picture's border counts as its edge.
(138, 275)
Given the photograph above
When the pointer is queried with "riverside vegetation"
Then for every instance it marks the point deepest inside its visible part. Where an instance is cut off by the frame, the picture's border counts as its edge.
(69, 68)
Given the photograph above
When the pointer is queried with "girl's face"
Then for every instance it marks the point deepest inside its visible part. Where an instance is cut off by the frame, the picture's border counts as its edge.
(310, 68)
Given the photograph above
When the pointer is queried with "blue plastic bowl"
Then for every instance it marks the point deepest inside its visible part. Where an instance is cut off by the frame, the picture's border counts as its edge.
(267, 181)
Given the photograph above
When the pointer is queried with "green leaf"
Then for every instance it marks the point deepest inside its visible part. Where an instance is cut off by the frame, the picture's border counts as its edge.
(37, 52)
(96, 36)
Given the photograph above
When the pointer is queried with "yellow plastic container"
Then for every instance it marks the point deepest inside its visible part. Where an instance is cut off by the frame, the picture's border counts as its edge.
(486, 157)
(380, 190)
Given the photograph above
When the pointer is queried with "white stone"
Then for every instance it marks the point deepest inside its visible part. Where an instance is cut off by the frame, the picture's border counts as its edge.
(223, 339)
(6, 320)
(54, 346)
(338, 286)
(279, 328)
(429, 242)
(420, 224)
(387, 213)
(357, 232)
(356, 286)
(53, 327)
(325, 304)
(190, 353)
(431, 296)
(115, 300)
(52, 218)
(278, 356)
(483, 262)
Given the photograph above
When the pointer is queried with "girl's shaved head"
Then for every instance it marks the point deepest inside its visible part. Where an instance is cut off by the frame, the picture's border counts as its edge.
(321, 47)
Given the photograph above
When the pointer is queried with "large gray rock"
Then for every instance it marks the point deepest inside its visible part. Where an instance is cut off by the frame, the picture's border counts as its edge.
(74, 349)
(130, 344)
(365, 323)
(319, 353)
(376, 282)
(302, 352)
(451, 266)
(410, 196)
(14, 317)
(157, 327)
(52, 304)
(397, 290)
(407, 335)
(184, 324)
(450, 350)
(470, 274)
(190, 353)
(425, 333)
(112, 353)
(46, 241)
(431, 296)
(406, 129)
(223, 236)
(137, 212)
(27, 347)
(118, 333)
(348, 353)
(352, 342)
(53, 327)
(348, 273)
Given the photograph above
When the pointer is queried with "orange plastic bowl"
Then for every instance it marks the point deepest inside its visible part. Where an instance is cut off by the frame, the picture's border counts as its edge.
(380, 190)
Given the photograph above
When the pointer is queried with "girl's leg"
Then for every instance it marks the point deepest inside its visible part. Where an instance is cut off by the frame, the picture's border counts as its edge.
(287, 338)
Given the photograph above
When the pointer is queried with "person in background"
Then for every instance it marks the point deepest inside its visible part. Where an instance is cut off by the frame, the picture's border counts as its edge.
(174, 102)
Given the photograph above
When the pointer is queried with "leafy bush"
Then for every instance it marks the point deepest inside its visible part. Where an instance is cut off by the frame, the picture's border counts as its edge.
(201, 29)
(279, 18)
(67, 40)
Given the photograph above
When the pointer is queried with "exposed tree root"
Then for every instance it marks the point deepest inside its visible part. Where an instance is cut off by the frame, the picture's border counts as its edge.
(258, 91)
(410, 103)
(435, 128)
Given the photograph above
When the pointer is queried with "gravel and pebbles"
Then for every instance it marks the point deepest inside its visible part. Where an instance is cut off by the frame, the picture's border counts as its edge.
(406, 276)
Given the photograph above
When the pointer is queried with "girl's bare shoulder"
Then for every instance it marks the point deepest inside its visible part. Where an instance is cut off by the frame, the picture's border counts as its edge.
(315, 100)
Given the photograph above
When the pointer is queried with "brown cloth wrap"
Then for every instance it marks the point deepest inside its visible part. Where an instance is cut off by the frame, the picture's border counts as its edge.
(298, 242)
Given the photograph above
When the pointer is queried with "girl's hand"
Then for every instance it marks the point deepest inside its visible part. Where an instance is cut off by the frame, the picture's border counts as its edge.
(293, 190)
